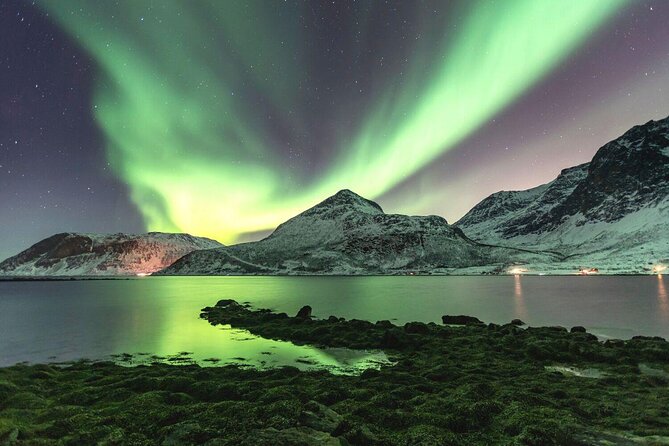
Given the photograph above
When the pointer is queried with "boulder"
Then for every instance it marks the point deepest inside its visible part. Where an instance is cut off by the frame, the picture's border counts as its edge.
(359, 324)
(304, 313)
(320, 417)
(648, 338)
(517, 322)
(384, 324)
(460, 320)
(577, 329)
(510, 329)
(416, 328)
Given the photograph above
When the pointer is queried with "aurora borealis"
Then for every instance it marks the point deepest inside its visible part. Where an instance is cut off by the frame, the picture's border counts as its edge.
(223, 119)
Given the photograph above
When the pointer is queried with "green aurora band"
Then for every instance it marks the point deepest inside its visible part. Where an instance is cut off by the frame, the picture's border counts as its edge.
(194, 155)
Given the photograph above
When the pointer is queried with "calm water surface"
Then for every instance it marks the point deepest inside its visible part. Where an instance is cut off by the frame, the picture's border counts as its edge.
(62, 321)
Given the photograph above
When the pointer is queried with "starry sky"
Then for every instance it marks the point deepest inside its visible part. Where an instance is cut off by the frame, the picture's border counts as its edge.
(223, 119)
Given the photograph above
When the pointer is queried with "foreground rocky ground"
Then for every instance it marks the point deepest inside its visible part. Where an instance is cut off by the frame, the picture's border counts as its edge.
(451, 385)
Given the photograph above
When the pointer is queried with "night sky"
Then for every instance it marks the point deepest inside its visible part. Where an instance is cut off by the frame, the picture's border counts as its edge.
(225, 118)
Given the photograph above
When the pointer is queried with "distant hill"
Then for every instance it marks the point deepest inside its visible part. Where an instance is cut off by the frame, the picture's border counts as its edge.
(611, 213)
(72, 254)
(348, 234)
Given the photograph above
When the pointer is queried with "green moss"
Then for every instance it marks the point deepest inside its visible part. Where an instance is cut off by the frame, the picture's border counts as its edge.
(468, 385)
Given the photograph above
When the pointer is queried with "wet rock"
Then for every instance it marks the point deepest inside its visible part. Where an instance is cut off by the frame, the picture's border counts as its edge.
(586, 337)
(9, 438)
(25, 400)
(362, 325)
(183, 434)
(460, 320)
(320, 417)
(547, 331)
(361, 435)
(510, 329)
(392, 338)
(648, 338)
(384, 324)
(644, 369)
(517, 322)
(416, 328)
(304, 313)
(601, 437)
(370, 373)
(303, 436)
(577, 329)
(226, 303)
(7, 390)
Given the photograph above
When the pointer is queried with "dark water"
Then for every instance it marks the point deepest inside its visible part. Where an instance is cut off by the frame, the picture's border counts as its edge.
(61, 321)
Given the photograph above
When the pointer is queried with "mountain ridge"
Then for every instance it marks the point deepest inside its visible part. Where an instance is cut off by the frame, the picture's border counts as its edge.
(612, 211)
(348, 234)
(89, 254)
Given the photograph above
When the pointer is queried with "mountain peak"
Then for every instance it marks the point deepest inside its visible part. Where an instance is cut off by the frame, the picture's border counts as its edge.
(649, 140)
(348, 199)
(348, 234)
(346, 193)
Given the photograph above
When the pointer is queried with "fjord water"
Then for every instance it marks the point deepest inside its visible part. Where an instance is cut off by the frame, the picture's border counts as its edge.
(67, 320)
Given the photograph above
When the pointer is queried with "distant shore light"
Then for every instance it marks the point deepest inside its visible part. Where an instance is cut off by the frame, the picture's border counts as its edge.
(517, 271)
(659, 269)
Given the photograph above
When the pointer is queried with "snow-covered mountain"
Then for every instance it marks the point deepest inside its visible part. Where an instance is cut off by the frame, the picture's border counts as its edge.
(347, 234)
(71, 254)
(611, 213)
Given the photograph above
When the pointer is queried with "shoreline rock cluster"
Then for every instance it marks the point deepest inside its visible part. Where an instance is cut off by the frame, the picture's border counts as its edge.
(468, 384)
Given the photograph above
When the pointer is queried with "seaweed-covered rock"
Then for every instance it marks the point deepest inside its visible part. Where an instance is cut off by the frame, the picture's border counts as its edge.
(226, 303)
(187, 433)
(302, 436)
(416, 328)
(9, 436)
(320, 417)
(460, 320)
(648, 338)
(304, 313)
(444, 385)
(393, 338)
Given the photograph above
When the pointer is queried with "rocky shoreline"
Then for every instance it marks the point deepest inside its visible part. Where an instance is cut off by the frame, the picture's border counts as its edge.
(461, 383)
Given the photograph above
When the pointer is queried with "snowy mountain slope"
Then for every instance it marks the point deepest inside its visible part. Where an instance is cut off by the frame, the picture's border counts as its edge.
(507, 214)
(72, 254)
(613, 211)
(347, 234)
